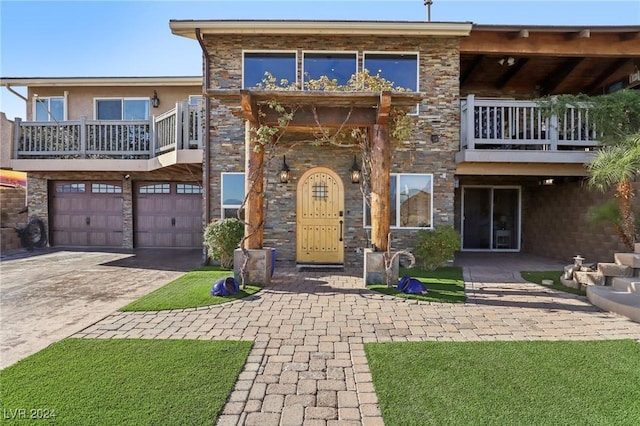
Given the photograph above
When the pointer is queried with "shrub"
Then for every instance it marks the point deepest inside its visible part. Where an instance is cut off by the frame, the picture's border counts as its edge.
(435, 247)
(222, 237)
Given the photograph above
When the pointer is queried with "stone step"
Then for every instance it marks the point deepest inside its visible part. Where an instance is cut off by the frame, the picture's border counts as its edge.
(589, 278)
(629, 259)
(636, 248)
(615, 270)
(613, 300)
(630, 285)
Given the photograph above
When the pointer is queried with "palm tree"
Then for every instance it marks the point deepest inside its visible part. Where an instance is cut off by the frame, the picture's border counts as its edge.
(617, 165)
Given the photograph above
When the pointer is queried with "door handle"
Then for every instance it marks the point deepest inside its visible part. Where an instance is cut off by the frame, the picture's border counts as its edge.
(88, 221)
(173, 221)
(341, 222)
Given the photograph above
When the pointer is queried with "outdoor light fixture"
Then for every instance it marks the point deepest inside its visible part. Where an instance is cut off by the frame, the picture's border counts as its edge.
(510, 60)
(155, 101)
(355, 172)
(284, 171)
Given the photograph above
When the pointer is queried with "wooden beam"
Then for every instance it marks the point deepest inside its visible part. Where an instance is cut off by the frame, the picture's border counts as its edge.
(249, 108)
(330, 117)
(549, 44)
(464, 76)
(380, 179)
(383, 108)
(630, 36)
(559, 75)
(605, 75)
(254, 187)
(511, 72)
(578, 35)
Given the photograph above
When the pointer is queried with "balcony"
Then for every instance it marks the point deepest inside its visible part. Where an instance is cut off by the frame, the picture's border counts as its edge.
(175, 136)
(509, 131)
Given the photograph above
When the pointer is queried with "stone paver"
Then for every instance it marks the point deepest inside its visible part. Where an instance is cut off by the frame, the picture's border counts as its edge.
(308, 363)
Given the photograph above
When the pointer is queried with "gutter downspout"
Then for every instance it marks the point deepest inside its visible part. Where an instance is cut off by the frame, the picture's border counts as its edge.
(8, 86)
(207, 138)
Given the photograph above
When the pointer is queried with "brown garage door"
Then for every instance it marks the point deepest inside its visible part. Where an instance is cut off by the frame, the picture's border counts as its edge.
(168, 214)
(86, 214)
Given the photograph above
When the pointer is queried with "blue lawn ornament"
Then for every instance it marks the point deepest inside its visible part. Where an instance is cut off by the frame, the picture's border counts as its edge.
(225, 287)
(409, 285)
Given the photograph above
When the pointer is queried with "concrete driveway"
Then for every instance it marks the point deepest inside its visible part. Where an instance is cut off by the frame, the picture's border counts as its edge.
(48, 295)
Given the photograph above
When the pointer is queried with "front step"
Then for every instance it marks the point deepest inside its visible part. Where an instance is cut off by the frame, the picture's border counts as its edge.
(613, 300)
(629, 285)
(319, 267)
(628, 259)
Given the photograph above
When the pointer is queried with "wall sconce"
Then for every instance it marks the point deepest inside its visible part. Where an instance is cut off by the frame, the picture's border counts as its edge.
(355, 172)
(284, 171)
(510, 60)
(155, 101)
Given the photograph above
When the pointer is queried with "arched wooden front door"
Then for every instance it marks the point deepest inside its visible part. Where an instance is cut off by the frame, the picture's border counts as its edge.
(320, 217)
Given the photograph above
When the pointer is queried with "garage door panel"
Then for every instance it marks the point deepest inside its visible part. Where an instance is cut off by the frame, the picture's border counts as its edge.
(86, 218)
(165, 218)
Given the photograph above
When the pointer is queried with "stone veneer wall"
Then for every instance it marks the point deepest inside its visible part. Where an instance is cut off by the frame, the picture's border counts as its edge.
(439, 114)
(555, 223)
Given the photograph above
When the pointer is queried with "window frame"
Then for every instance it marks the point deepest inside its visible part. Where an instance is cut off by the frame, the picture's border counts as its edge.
(39, 99)
(328, 52)
(122, 100)
(266, 53)
(224, 206)
(397, 204)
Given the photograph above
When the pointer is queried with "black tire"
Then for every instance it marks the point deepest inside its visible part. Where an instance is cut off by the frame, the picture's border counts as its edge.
(34, 235)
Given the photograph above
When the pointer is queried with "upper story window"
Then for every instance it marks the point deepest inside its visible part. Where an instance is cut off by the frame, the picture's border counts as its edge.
(232, 194)
(122, 109)
(411, 201)
(400, 68)
(339, 66)
(281, 65)
(49, 109)
(195, 99)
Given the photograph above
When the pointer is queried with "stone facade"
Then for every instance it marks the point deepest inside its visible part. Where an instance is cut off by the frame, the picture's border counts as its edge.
(439, 114)
(12, 202)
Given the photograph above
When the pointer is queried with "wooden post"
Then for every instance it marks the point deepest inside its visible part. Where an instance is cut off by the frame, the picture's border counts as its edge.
(380, 178)
(254, 186)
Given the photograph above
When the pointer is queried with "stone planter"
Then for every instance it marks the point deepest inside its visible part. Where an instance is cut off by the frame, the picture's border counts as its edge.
(374, 270)
(260, 265)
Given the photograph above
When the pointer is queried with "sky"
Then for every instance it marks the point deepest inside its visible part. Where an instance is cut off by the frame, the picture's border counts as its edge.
(132, 38)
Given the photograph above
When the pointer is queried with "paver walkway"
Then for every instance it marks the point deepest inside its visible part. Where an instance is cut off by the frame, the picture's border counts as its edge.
(308, 365)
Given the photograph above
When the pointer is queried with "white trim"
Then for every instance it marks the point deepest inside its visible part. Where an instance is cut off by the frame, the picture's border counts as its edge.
(224, 206)
(398, 204)
(100, 81)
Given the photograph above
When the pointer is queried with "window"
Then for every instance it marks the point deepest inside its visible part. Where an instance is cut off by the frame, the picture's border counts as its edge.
(232, 194)
(49, 109)
(105, 188)
(122, 109)
(411, 201)
(281, 65)
(70, 187)
(195, 99)
(401, 68)
(338, 66)
(157, 188)
(187, 188)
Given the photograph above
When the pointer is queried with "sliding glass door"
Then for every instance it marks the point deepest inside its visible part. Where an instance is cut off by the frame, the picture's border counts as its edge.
(491, 218)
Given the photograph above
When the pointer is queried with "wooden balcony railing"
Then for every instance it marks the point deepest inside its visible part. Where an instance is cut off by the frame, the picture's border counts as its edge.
(521, 125)
(179, 128)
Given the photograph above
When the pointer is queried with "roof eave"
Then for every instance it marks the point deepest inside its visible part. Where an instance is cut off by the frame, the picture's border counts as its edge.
(187, 28)
(100, 81)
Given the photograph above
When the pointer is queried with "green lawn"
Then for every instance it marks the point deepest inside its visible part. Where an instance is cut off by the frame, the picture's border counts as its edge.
(124, 381)
(445, 284)
(507, 383)
(538, 276)
(191, 290)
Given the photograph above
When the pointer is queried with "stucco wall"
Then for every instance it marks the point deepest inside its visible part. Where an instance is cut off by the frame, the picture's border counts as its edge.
(438, 113)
